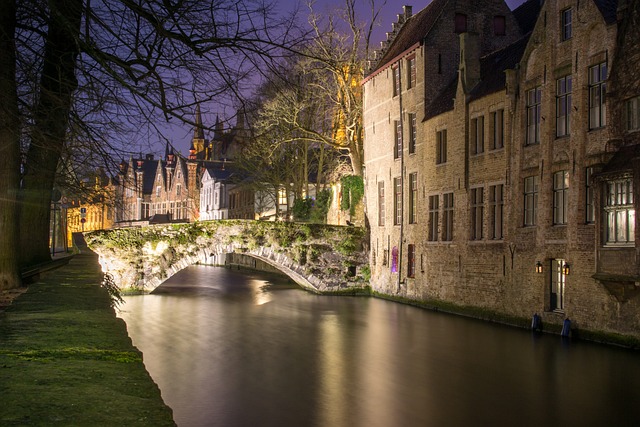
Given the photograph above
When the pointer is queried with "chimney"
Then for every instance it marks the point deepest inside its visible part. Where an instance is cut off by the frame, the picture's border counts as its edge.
(469, 61)
(408, 12)
(149, 157)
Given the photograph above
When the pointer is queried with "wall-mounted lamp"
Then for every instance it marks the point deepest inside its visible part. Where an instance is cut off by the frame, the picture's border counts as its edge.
(538, 267)
(566, 269)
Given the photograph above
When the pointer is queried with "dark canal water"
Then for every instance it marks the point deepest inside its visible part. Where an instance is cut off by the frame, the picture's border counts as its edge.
(234, 349)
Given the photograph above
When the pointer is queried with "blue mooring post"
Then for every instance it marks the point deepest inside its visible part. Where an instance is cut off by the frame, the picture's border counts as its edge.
(536, 322)
(566, 328)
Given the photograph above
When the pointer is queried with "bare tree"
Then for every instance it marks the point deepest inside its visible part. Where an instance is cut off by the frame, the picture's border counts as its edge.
(87, 69)
(323, 104)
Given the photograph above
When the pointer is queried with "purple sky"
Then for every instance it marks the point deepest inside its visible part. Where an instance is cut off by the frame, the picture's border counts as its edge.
(180, 135)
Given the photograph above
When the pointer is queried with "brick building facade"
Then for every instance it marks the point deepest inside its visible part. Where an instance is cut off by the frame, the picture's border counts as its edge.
(499, 173)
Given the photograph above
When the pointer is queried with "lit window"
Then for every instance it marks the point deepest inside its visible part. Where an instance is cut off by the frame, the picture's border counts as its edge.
(534, 97)
(531, 184)
(282, 197)
(597, 95)
(477, 213)
(560, 197)
(563, 106)
(620, 214)
(566, 18)
(441, 146)
(556, 300)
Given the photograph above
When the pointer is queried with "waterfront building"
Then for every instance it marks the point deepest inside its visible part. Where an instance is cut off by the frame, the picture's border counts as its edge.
(499, 168)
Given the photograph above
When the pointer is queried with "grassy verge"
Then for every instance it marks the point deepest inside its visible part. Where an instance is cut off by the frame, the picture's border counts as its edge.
(66, 359)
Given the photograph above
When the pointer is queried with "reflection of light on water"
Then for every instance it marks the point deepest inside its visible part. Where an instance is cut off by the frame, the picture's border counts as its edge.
(260, 292)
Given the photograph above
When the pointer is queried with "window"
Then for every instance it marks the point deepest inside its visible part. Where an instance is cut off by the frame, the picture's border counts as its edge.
(563, 106)
(477, 135)
(411, 68)
(560, 197)
(158, 191)
(413, 198)
(534, 97)
(460, 23)
(396, 80)
(496, 208)
(597, 95)
(631, 113)
(411, 260)
(381, 203)
(413, 133)
(447, 217)
(477, 213)
(619, 212)
(499, 25)
(434, 207)
(282, 196)
(441, 147)
(178, 189)
(590, 209)
(556, 300)
(397, 201)
(497, 129)
(531, 184)
(565, 24)
(397, 147)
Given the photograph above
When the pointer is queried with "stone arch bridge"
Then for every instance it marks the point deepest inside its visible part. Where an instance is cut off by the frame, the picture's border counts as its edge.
(320, 258)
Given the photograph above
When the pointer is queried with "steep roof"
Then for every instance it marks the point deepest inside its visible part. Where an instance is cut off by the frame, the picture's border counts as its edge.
(608, 9)
(527, 14)
(492, 78)
(494, 65)
(414, 30)
(149, 168)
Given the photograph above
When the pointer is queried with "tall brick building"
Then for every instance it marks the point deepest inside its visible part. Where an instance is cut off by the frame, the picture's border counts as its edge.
(499, 171)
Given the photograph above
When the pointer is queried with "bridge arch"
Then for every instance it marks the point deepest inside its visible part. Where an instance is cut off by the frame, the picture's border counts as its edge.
(319, 258)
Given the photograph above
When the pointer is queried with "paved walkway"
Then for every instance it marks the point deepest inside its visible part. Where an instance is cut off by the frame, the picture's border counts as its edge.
(66, 359)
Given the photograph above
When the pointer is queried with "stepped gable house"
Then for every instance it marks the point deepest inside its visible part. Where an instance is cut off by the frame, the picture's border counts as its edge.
(164, 190)
(501, 156)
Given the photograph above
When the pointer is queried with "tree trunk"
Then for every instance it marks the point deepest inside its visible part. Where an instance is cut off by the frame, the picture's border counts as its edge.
(9, 150)
(57, 84)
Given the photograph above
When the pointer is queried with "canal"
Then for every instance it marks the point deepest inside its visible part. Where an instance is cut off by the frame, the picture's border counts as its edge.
(230, 348)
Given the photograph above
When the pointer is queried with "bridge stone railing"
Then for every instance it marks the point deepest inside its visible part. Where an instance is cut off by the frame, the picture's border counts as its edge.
(320, 258)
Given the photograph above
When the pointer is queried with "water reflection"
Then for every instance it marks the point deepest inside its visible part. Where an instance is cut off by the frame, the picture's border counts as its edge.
(230, 349)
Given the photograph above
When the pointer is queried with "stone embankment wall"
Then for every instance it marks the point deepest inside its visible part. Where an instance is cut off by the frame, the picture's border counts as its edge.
(320, 258)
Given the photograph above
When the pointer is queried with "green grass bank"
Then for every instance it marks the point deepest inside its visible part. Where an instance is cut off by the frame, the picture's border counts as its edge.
(66, 359)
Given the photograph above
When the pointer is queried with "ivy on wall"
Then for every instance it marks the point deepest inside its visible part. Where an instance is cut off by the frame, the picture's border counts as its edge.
(352, 192)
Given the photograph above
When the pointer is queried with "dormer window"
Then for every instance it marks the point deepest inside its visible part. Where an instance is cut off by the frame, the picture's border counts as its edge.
(460, 23)
(499, 25)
